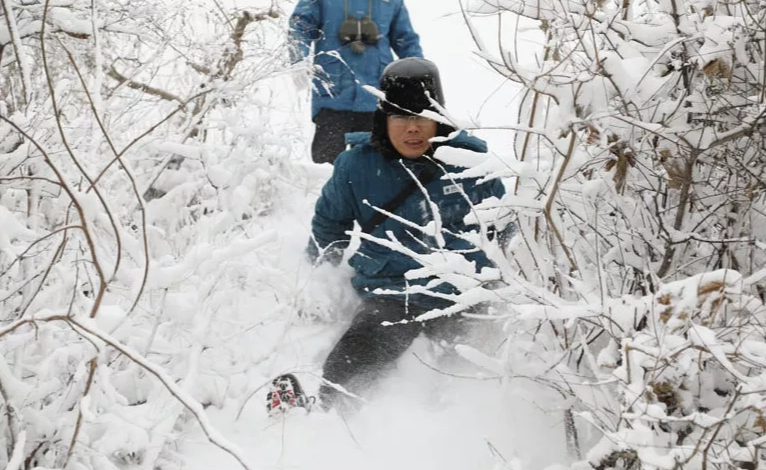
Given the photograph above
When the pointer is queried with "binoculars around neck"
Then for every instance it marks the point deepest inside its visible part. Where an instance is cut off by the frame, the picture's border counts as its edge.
(358, 33)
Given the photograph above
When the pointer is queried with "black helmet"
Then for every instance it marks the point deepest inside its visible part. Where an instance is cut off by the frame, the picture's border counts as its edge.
(408, 83)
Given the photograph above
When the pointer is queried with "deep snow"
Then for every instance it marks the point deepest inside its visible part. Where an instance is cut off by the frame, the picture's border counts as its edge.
(420, 418)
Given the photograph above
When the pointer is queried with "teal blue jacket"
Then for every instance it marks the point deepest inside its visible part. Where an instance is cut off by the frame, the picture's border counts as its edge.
(363, 174)
(343, 72)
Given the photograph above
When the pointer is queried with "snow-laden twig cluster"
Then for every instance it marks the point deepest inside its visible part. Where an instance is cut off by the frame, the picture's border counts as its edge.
(635, 280)
(136, 154)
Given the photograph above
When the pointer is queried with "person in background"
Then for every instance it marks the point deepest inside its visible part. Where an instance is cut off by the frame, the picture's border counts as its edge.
(353, 41)
(379, 172)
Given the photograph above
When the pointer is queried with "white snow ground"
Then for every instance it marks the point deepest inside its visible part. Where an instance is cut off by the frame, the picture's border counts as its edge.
(421, 419)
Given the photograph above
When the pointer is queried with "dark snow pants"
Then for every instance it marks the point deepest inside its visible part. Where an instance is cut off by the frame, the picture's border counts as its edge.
(368, 348)
(330, 133)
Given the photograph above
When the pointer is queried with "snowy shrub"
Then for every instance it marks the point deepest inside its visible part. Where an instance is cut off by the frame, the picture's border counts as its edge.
(643, 123)
(635, 284)
(136, 159)
(689, 377)
(646, 133)
(668, 379)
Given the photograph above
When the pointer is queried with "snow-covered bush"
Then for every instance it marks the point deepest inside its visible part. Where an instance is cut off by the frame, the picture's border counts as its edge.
(668, 379)
(642, 130)
(136, 156)
(636, 279)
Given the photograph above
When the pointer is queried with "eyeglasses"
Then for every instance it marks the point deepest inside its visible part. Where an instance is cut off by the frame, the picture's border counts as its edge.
(403, 119)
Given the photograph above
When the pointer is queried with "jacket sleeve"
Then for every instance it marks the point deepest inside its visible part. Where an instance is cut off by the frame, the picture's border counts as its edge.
(333, 216)
(305, 28)
(404, 40)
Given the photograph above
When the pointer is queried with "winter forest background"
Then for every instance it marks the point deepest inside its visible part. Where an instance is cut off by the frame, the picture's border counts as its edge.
(155, 198)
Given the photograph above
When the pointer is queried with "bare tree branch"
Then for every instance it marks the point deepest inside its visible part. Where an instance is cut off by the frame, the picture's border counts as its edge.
(149, 90)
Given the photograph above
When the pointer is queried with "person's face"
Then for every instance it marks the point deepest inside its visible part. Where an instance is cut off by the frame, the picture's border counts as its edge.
(410, 134)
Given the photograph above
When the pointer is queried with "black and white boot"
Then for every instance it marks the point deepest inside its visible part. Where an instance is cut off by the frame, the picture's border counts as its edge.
(285, 394)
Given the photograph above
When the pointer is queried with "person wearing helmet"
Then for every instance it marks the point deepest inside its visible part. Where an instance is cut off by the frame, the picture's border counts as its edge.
(353, 41)
(375, 172)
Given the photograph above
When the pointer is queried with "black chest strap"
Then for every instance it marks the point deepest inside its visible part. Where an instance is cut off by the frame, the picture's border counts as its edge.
(379, 217)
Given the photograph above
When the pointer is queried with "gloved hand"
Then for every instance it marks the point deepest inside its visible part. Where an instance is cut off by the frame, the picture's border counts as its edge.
(332, 254)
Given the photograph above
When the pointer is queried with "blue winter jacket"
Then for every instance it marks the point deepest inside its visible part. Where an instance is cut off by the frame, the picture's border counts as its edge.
(318, 22)
(362, 173)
